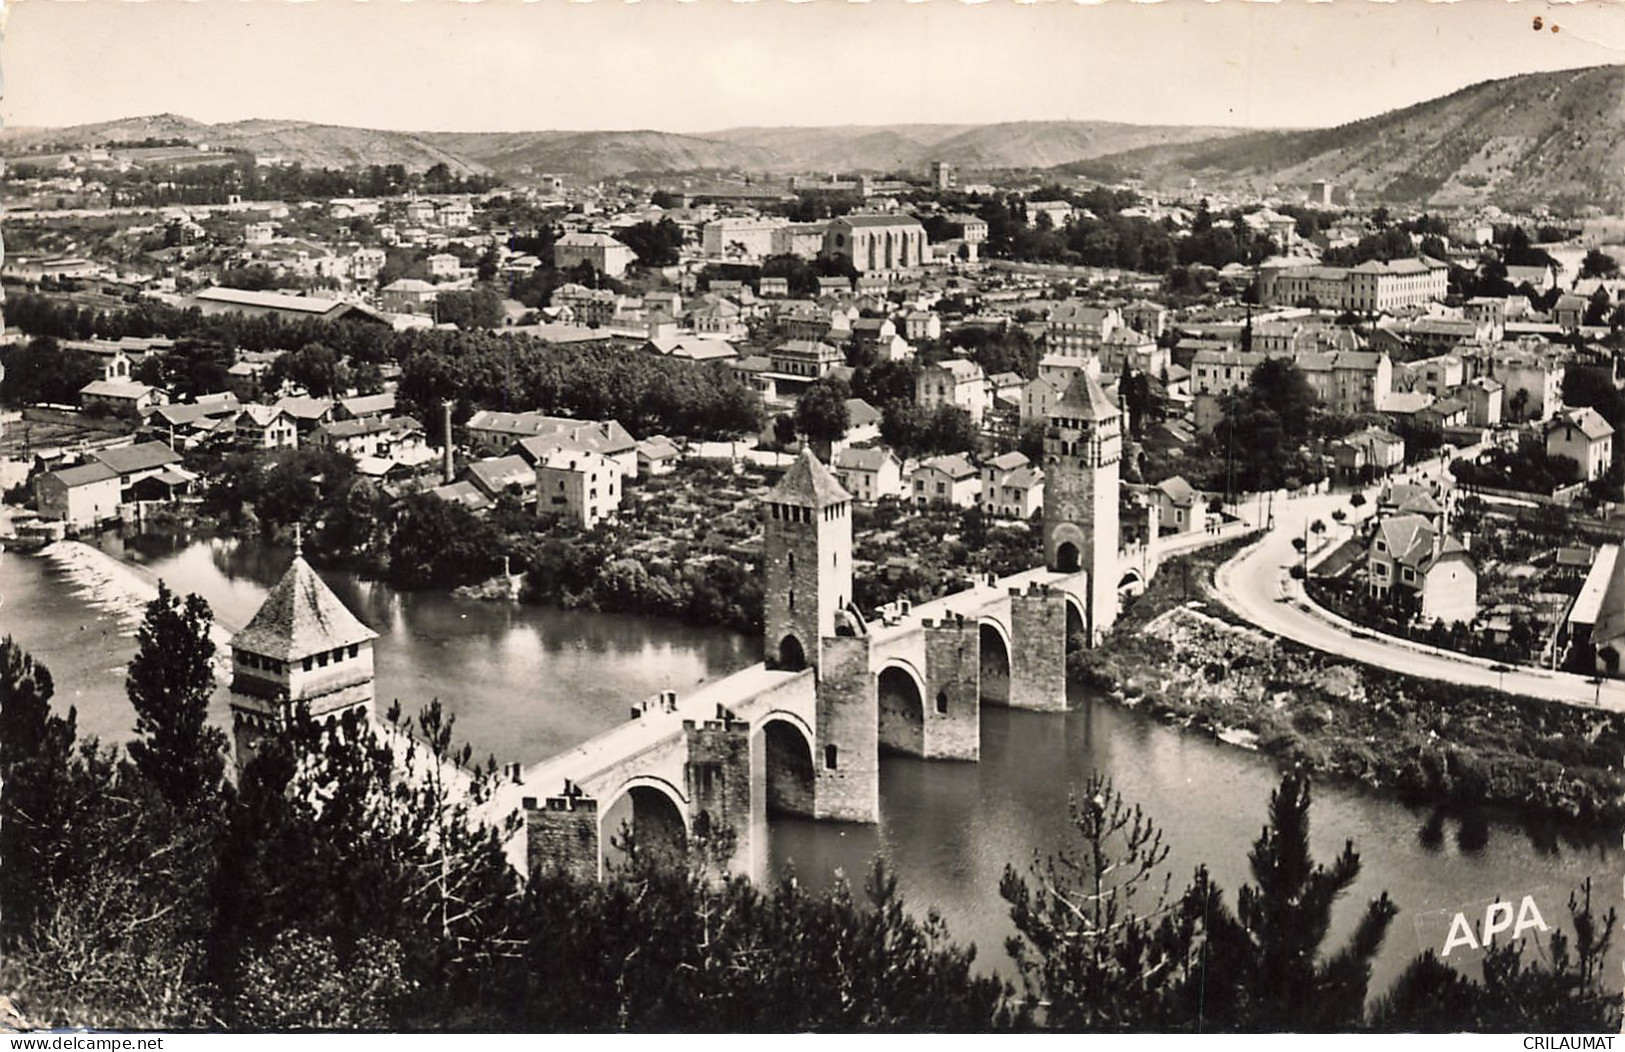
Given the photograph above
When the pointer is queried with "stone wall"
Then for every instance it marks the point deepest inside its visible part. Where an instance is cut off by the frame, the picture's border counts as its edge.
(953, 712)
(847, 758)
(562, 834)
(1038, 658)
(718, 777)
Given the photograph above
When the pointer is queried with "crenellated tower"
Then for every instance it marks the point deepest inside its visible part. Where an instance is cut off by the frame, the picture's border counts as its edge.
(1082, 447)
(303, 645)
(806, 562)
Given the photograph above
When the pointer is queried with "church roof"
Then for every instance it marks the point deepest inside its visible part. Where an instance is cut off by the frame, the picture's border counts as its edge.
(808, 483)
(1085, 399)
(301, 616)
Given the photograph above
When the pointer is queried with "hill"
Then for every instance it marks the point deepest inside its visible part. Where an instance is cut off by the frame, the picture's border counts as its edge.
(1539, 138)
(597, 154)
(912, 147)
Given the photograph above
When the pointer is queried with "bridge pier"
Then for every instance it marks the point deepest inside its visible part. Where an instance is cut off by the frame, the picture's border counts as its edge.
(1038, 627)
(846, 756)
(953, 682)
(718, 777)
(562, 834)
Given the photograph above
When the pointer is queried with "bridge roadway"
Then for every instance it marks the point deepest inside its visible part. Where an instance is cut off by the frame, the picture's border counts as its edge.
(803, 742)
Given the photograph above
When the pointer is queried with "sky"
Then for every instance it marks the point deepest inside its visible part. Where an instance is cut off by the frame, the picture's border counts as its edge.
(507, 65)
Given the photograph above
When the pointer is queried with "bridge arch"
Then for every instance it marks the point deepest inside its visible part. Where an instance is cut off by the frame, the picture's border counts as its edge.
(1132, 582)
(902, 701)
(791, 656)
(1077, 621)
(782, 751)
(994, 658)
(653, 810)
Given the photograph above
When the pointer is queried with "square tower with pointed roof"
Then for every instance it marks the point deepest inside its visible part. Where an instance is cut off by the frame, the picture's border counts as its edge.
(302, 646)
(1082, 447)
(806, 562)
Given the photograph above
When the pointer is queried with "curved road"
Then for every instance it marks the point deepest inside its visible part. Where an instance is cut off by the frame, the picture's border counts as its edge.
(1257, 584)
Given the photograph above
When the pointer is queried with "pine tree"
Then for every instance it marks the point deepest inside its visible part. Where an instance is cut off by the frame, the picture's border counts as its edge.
(36, 749)
(1282, 921)
(1090, 954)
(169, 683)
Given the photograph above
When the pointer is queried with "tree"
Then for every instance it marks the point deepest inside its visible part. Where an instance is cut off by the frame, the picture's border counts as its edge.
(1598, 264)
(36, 748)
(315, 367)
(822, 416)
(655, 244)
(1513, 994)
(478, 308)
(1089, 952)
(1290, 982)
(169, 683)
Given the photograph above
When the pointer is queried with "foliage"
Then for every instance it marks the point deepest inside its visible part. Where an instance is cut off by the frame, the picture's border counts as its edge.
(315, 367)
(655, 244)
(42, 371)
(477, 308)
(821, 414)
(170, 681)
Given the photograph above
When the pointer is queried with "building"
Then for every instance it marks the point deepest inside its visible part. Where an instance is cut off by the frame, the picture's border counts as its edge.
(891, 244)
(394, 438)
(1584, 437)
(1012, 487)
(579, 487)
(1146, 317)
(1077, 330)
(1057, 213)
(802, 240)
(83, 496)
(870, 473)
(408, 296)
(957, 382)
(279, 305)
(739, 237)
(602, 252)
(1433, 572)
(942, 175)
(493, 476)
(950, 479)
(807, 359)
(1483, 396)
(1371, 450)
(490, 432)
(1180, 508)
(1371, 287)
(444, 266)
(1532, 381)
(265, 427)
(120, 396)
(137, 463)
(1595, 626)
(658, 455)
(302, 647)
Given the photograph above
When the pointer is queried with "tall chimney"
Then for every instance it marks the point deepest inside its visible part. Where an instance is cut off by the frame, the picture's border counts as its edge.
(450, 469)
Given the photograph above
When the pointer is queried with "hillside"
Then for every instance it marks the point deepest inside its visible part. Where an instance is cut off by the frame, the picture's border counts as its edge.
(912, 147)
(596, 154)
(1540, 138)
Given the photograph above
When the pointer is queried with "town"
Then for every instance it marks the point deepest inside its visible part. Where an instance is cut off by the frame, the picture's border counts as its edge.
(570, 581)
(566, 351)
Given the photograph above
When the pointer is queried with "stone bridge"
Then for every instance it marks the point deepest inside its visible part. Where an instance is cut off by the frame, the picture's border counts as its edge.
(766, 741)
(802, 733)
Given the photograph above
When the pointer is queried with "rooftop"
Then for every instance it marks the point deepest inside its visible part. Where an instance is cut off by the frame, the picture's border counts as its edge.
(301, 616)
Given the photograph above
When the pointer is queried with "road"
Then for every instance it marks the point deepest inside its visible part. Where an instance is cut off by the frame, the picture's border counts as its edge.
(1257, 585)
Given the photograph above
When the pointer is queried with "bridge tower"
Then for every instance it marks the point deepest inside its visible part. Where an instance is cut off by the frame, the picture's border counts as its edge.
(806, 562)
(1082, 447)
(303, 645)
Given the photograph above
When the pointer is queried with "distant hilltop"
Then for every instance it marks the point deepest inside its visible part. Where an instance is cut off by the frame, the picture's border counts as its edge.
(1535, 138)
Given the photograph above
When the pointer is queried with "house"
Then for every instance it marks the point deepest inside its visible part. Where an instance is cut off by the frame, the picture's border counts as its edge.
(394, 438)
(119, 396)
(1412, 499)
(265, 427)
(870, 473)
(719, 318)
(454, 215)
(1585, 437)
(444, 266)
(1532, 378)
(1372, 449)
(657, 455)
(137, 463)
(408, 296)
(307, 413)
(494, 475)
(246, 378)
(192, 424)
(775, 288)
(1483, 396)
(465, 493)
(604, 437)
(600, 251)
(862, 423)
(1077, 330)
(1038, 397)
(83, 496)
(1012, 488)
(954, 381)
(1146, 317)
(1595, 626)
(1434, 571)
(1180, 508)
(363, 406)
(1445, 412)
(809, 359)
(577, 486)
(950, 479)
(921, 325)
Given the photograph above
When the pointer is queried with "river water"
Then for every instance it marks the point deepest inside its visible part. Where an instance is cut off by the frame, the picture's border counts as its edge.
(526, 682)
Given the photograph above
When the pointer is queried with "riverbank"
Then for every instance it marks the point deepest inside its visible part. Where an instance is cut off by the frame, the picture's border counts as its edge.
(1180, 655)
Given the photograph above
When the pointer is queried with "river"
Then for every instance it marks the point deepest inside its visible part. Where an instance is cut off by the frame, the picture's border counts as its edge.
(525, 682)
